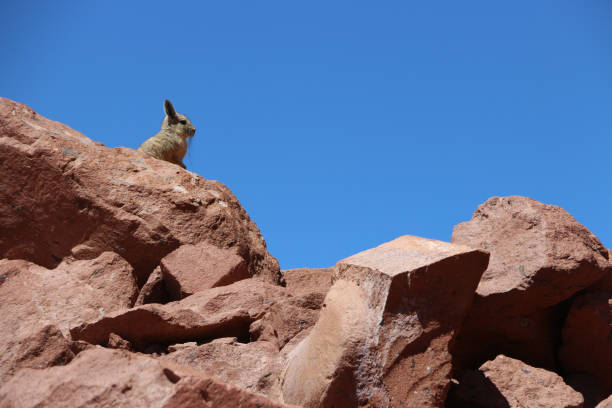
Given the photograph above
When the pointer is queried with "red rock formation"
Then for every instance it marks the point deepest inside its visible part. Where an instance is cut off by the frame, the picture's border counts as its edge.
(509, 383)
(83, 226)
(383, 333)
(57, 181)
(540, 256)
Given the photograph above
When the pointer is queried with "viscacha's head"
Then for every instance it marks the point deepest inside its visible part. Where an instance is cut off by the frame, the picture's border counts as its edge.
(177, 123)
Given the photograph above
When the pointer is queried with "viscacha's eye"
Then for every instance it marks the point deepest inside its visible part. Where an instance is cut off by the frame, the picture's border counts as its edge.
(183, 121)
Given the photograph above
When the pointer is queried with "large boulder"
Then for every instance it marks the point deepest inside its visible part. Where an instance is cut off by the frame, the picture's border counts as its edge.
(62, 195)
(111, 378)
(383, 333)
(540, 256)
(509, 383)
(39, 305)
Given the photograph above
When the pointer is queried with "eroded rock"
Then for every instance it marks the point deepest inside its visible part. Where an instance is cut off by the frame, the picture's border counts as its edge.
(383, 333)
(540, 256)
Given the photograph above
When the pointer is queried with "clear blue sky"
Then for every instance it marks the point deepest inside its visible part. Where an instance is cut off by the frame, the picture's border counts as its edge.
(340, 125)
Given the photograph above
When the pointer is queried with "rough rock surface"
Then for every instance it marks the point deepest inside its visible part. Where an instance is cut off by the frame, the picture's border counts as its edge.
(255, 366)
(68, 295)
(33, 297)
(218, 312)
(382, 336)
(114, 378)
(284, 320)
(55, 179)
(509, 383)
(587, 337)
(192, 268)
(44, 348)
(309, 283)
(607, 403)
(540, 256)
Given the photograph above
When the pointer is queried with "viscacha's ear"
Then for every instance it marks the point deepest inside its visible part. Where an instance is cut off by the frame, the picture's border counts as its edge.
(170, 112)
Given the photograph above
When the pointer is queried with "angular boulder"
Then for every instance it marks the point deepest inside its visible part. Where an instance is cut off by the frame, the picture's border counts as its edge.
(113, 378)
(587, 338)
(383, 333)
(192, 268)
(509, 383)
(219, 312)
(120, 200)
(540, 256)
(254, 366)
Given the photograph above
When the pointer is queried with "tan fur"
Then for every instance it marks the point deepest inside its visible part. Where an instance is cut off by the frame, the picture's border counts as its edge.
(170, 144)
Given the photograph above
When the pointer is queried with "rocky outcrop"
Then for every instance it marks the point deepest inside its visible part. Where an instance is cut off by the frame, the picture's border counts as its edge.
(114, 378)
(383, 333)
(509, 383)
(128, 281)
(57, 181)
(540, 256)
